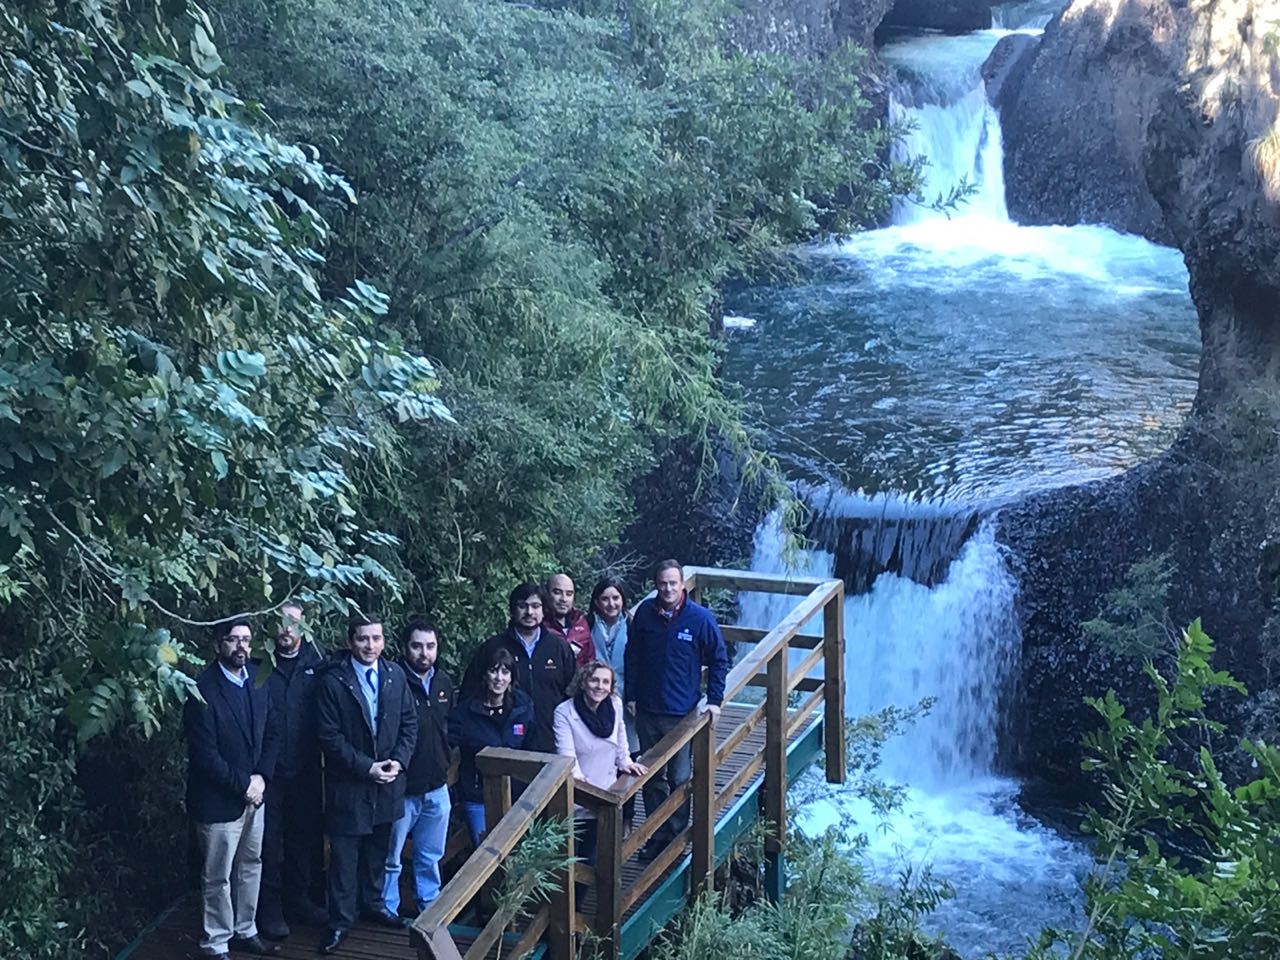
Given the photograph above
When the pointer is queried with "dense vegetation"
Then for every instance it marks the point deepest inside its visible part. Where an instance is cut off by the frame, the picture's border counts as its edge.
(214, 378)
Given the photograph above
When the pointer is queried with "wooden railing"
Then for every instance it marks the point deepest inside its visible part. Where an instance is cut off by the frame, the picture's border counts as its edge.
(769, 665)
(551, 790)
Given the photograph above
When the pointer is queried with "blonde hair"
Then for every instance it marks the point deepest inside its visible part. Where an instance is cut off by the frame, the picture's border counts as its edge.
(584, 673)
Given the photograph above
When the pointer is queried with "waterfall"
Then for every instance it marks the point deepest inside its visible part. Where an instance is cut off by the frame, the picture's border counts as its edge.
(961, 139)
(955, 641)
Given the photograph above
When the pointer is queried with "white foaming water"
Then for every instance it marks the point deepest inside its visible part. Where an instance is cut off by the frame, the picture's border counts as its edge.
(956, 642)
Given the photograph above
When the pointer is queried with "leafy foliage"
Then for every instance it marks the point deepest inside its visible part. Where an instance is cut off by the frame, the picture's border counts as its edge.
(1187, 865)
(1134, 620)
(554, 196)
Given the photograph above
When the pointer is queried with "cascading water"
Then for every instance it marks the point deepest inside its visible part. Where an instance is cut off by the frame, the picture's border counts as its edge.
(942, 366)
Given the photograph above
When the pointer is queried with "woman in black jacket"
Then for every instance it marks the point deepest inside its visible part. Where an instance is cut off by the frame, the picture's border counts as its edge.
(497, 715)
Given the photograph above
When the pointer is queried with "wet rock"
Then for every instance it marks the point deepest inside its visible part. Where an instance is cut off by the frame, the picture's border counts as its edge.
(1189, 96)
(949, 16)
(1007, 67)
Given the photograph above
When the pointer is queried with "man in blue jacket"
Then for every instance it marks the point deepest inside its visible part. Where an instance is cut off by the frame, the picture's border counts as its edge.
(232, 738)
(670, 640)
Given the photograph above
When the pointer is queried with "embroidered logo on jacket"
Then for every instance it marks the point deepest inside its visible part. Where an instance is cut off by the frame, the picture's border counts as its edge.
(517, 729)
(551, 664)
(685, 635)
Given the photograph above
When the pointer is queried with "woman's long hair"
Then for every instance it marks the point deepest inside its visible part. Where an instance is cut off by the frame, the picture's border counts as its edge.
(603, 584)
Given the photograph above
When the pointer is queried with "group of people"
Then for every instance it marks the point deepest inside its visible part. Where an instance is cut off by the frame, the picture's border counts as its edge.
(357, 747)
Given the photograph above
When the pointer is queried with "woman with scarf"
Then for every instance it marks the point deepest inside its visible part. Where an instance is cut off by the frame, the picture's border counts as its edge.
(589, 728)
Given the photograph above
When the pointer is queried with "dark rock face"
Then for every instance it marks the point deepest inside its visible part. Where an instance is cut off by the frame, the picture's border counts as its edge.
(950, 16)
(1073, 129)
(1006, 69)
(1205, 135)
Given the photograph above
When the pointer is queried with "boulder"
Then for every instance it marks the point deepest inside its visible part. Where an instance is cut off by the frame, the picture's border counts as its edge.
(949, 16)
(1007, 67)
(1187, 97)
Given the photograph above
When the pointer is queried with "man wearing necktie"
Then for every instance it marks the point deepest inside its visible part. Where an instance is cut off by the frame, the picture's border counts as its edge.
(367, 723)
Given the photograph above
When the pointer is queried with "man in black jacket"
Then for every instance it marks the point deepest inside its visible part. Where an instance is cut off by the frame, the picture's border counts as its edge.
(426, 791)
(545, 663)
(367, 725)
(292, 848)
(232, 738)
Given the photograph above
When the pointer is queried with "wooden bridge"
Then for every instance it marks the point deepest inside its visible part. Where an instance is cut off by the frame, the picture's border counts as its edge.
(742, 766)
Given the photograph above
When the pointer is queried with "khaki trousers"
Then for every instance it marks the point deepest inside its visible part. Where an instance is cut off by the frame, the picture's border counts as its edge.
(230, 879)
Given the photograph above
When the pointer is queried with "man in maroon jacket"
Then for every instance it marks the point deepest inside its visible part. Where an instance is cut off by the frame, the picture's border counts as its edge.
(566, 622)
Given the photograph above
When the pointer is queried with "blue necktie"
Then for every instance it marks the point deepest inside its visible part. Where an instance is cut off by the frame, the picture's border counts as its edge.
(368, 675)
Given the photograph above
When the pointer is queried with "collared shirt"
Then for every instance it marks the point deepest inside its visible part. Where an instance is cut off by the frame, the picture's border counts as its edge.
(368, 678)
(237, 678)
(530, 644)
(426, 678)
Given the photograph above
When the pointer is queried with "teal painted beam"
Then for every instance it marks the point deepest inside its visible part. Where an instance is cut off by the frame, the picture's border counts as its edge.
(670, 896)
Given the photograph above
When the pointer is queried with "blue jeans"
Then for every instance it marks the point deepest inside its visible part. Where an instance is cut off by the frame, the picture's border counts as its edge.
(474, 813)
(426, 821)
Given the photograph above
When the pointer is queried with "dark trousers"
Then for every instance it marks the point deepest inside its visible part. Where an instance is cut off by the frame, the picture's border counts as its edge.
(292, 847)
(355, 875)
(650, 728)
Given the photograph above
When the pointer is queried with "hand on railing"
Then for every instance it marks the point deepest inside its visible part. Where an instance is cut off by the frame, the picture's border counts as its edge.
(714, 710)
(633, 768)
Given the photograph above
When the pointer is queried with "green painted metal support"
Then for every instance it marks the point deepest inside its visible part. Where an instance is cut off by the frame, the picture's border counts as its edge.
(670, 896)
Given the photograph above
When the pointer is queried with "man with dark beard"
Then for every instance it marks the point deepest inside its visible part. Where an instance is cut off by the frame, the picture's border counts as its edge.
(231, 743)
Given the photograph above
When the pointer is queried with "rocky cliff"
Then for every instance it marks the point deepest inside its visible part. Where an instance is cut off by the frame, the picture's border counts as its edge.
(1183, 94)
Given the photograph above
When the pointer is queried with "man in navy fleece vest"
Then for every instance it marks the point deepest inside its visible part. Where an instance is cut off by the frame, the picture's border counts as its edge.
(670, 640)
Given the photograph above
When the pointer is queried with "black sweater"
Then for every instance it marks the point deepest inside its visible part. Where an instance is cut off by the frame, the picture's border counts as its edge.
(429, 768)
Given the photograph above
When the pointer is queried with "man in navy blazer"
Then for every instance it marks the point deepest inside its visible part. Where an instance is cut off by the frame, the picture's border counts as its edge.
(232, 738)
(367, 723)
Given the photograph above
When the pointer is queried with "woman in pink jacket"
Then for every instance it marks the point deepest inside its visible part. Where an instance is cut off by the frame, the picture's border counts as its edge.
(589, 728)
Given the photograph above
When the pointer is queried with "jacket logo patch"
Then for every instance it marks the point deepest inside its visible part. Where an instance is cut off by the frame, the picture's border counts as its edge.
(551, 664)
(685, 635)
(517, 729)
(309, 671)
(442, 696)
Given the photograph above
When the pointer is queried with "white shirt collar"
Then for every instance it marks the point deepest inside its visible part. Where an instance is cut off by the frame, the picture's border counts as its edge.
(360, 669)
(237, 678)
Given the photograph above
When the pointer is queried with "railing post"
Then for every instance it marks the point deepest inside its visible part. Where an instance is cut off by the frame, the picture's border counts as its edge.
(608, 920)
(497, 801)
(775, 770)
(833, 685)
(561, 922)
(702, 875)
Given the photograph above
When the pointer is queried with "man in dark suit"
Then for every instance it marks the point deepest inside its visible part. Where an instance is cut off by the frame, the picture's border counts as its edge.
(232, 739)
(367, 723)
(292, 847)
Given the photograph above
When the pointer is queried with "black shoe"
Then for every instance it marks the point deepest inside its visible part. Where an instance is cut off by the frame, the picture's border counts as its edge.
(273, 929)
(253, 945)
(335, 940)
(387, 920)
(308, 914)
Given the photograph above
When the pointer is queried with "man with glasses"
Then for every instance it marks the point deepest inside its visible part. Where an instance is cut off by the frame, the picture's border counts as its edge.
(545, 663)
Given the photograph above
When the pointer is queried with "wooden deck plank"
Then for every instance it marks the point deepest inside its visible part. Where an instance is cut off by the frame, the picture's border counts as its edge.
(176, 935)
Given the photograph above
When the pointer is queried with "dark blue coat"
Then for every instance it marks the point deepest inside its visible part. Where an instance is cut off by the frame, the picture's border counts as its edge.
(664, 659)
(222, 751)
(473, 726)
(294, 697)
(355, 804)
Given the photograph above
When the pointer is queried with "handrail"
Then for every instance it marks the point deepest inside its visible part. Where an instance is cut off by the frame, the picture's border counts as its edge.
(430, 929)
(767, 664)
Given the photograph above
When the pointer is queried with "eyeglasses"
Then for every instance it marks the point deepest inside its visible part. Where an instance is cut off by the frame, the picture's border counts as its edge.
(529, 605)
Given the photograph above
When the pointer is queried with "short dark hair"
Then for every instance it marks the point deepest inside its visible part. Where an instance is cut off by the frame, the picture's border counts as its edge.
(523, 592)
(223, 630)
(668, 564)
(500, 657)
(417, 625)
(361, 620)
